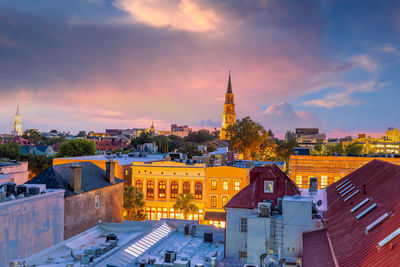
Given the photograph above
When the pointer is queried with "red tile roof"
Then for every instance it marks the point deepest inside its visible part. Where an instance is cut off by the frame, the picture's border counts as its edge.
(251, 195)
(317, 253)
(351, 246)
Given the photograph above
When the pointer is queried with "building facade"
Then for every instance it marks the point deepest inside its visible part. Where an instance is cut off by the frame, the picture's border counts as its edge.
(327, 169)
(14, 172)
(229, 114)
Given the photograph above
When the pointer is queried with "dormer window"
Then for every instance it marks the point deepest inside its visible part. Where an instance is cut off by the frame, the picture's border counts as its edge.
(268, 186)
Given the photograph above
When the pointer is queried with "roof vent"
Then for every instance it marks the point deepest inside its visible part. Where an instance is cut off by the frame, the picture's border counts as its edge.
(376, 222)
(389, 237)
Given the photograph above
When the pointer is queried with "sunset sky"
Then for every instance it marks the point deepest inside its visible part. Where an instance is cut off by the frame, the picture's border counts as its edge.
(95, 64)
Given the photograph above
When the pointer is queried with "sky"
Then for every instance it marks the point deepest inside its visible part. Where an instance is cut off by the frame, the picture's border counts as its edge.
(96, 64)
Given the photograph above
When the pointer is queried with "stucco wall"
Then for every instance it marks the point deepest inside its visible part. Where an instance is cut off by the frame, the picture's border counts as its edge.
(18, 173)
(31, 224)
(81, 212)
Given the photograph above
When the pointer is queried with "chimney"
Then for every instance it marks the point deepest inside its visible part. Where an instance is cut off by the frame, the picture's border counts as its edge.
(75, 177)
(110, 171)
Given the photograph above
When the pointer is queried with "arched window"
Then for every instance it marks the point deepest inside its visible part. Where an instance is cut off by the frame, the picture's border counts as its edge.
(174, 190)
(139, 185)
(198, 191)
(150, 189)
(161, 189)
(186, 188)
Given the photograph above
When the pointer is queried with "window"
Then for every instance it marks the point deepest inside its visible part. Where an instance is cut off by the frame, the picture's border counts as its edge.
(213, 201)
(139, 185)
(150, 189)
(268, 186)
(324, 181)
(186, 188)
(299, 180)
(242, 255)
(174, 189)
(243, 225)
(97, 201)
(225, 185)
(198, 191)
(161, 189)
(213, 184)
(126, 172)
(224, 200)
(237, 185)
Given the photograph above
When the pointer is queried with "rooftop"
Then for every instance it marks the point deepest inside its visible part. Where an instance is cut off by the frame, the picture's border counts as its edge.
(136, 242)
(123, 159)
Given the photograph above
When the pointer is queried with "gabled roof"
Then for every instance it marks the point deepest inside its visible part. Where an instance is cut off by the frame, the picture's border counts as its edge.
(251, 195)
(57, 177)
(351, 244)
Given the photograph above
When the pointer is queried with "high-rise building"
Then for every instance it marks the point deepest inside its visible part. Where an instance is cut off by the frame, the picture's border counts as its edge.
(17, 127)
(229, 115)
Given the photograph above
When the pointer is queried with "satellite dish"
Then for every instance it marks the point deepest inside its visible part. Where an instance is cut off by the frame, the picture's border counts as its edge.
(319, 202)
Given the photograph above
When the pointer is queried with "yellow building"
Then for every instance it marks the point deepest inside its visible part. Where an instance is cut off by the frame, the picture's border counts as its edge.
(229, 115)
(102, 135)
(327, 169)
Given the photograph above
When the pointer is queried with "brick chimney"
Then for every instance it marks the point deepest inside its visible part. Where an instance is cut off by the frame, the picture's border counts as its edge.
(75, 177)
(110, 171)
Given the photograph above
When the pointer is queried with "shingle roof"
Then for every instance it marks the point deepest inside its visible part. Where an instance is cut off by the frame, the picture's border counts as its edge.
(351, 245)
(57, 177)
(252, 194)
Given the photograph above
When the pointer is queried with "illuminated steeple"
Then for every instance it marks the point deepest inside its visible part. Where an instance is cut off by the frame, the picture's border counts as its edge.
(17, 127)
(229, 115)
(152, 130)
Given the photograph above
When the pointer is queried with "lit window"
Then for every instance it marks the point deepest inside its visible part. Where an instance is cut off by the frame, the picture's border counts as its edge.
(324, 181)
(198, 191)
(237, 185)
(243, 225)
(126, 172)
(139, 185)
(97, 201)
(224, 200)
(174, 189)
(213, 185)
(268, 186)
(150, 189)
(161, 189)
(225, 185)
(186, 188)
(242, 254)
(299, 180)
(213, 201)
(336, 178)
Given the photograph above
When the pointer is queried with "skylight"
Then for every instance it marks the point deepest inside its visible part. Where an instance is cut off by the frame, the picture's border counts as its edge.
(376, 222)
(344, 189)
(347, 191)
(389, 237)
(362, 214)
(352, 195)
(360, 205)
(343, 185)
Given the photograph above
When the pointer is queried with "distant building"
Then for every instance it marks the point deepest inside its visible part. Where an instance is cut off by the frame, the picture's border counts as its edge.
(102, 135)
(21, 141)
(14, 172)
(268, 217)
(301, 151)
(177, 130)
(180, 128)
(29, 224)
(147, 148)
(362, 220)
(47, 151)
(17, 127)
(229, 114)
(152, 130)
(91, 194)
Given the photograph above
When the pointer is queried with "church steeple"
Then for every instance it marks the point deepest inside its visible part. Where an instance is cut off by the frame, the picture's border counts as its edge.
(229, 115)
(229, 90)
(17, 113)
(17, 127)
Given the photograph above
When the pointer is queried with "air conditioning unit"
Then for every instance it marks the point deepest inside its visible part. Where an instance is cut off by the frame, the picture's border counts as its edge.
(86, 259)
(21, 189)
(264, 209)
(190, 229)
(208, 237)
(111, 237)
(33, 190)
(170, 256)
(183, 262)
(210, 261)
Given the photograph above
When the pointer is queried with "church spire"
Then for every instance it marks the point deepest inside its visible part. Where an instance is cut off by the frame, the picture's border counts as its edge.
(229, 90)
(17, 113)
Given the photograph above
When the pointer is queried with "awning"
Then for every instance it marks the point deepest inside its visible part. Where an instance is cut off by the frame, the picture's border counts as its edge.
(214, 216)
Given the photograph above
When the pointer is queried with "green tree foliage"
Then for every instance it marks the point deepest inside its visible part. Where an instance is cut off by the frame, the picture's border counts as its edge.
(134, 204)
(81, 134)
(285, 149)
(76, 148)
(54, 131)
(211, 147)
(36, 163)
(32, 135)
(354, 148)
(184, 205)
(162, 143)
(333, 149)
(10, 151)
(247, 137)
(200, 137)
(144, 137)
(52, 141)
(190, 149)
(175, 142)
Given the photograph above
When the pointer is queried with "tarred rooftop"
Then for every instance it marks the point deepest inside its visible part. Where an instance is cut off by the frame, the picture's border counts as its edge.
(349, 242)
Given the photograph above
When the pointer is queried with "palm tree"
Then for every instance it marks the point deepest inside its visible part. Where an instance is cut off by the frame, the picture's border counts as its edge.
(134, 204)
(184, 204)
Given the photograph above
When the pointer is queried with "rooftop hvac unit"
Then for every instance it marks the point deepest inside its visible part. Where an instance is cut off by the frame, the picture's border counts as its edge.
(21, 189)
(90, 251)
(210, 261)
(111, 237)
(86, 259)
(183, 262)
(170, 256)
(10, 188)
(190, 229)
(208, 237)
(112, 243)
(33, 190)
(17, 263)
(264, 209)
(142, 263)
(106, 247)
(98, 251)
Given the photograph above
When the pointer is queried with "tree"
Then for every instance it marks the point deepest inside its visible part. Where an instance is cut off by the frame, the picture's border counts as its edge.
(76, 148)
(36, 163)
(191, 150)
(200, 137)
(32, 135)
(267, 150)
(271, 134)
(144, 137)
(333, 149)
(162, 143)
(54, 131)
(184, 205)
(246, 137)
(10, 150)
(175, 142)
(211, 147)
(354, 148)
(134, 204)
(286, 148)
(81, 134)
